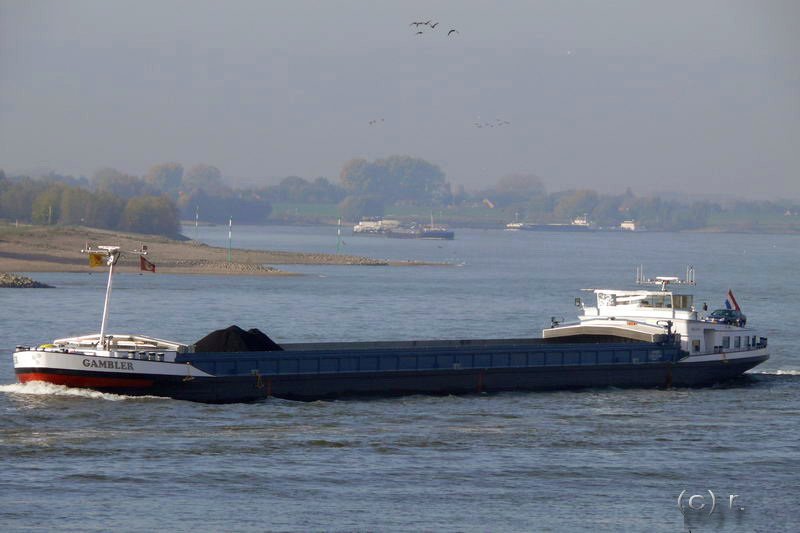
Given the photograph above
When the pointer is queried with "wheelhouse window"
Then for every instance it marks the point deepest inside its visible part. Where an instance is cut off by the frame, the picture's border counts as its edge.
(737, 342)
(726, 342)
(657, 300)
(682, 301)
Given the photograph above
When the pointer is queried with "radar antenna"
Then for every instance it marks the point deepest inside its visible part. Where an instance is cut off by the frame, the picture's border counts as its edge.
(663, 281)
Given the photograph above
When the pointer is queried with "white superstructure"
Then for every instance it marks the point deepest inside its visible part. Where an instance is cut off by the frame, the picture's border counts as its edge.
(659, 315)
(376, 226)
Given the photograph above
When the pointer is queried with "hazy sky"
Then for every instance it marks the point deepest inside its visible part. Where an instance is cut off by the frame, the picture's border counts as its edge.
(699, 96)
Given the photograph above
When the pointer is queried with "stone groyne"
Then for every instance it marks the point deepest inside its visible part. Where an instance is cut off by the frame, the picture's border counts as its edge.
(9, 280)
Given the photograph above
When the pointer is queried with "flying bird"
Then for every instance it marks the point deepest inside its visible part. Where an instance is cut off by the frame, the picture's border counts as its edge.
(433, 26)
(420, 32)
(451, 32)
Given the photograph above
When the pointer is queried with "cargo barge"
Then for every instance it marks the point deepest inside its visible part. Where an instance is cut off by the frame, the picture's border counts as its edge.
(642, 339)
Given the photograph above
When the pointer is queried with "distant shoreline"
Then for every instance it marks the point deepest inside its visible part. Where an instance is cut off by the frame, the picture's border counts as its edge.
(743, 229)
(58, 249)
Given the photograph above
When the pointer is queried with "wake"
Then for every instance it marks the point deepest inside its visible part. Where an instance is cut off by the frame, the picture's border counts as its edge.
(777, 373)
(41, 388)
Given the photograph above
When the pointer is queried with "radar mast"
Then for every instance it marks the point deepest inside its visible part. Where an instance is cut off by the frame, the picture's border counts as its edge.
(663, 281)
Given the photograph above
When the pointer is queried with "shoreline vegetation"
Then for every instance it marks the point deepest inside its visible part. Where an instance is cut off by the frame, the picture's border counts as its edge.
(58, 249)
(405, 188)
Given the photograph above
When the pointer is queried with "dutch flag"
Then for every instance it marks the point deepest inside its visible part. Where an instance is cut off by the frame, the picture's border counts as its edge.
(730, 301)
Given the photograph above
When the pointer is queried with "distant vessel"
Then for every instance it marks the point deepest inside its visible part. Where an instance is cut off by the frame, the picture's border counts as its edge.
(581, 223)
(375, 226)
(631, 339)
(630, 225)
(422, 232)
(436, 232)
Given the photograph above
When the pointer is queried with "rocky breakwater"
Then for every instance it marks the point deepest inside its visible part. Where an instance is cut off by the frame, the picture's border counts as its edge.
(203, 266)
(9, 280)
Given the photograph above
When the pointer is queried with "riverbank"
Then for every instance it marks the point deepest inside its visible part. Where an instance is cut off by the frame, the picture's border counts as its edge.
(58, 249)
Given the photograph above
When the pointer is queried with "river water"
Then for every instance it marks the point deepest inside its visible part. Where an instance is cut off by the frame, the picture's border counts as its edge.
(596, 460)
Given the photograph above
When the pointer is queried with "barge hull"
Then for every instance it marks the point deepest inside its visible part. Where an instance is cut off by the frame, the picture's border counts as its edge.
(331, 385)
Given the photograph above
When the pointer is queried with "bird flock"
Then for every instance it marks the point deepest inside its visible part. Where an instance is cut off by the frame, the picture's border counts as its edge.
(420, 26)
(498, 123)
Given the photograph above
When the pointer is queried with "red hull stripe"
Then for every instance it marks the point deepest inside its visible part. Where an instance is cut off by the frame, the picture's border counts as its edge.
(84, 381)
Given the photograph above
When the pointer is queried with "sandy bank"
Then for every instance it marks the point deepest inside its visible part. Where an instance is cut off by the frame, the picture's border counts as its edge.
(57, 249)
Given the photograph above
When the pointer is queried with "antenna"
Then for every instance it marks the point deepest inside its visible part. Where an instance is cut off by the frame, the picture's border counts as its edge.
(663, 281)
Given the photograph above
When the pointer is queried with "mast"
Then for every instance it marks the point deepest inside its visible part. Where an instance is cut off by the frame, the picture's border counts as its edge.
(112, 255)
(663, 281)
(112, 258)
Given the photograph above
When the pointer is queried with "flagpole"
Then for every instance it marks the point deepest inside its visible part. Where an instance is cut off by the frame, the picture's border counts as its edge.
(230, 229)
(339, 235)
(112, 256)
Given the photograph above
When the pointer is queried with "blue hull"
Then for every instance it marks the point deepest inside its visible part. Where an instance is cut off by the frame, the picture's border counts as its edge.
(342, 370)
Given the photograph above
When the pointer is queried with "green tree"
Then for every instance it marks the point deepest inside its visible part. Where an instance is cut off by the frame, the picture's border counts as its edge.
(354, 208)
(526, 185)
(575, 203)
(539, 208)
(106, 211)
(156, 215)
(46, 208)
(206, 177)
(607, 211)
(515, 190)
(114, 182)
(75, 207)
(396, 179)
(17, 197)
(166, 177)
(245, 207)
(300, 190)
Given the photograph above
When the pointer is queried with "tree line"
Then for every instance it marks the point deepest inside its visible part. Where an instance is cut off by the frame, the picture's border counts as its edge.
(154, 203)
(199, 191)
(157, 201)
(54, 199)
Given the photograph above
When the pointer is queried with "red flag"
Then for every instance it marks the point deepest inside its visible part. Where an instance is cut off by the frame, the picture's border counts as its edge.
(146, 265)
(730, 302)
